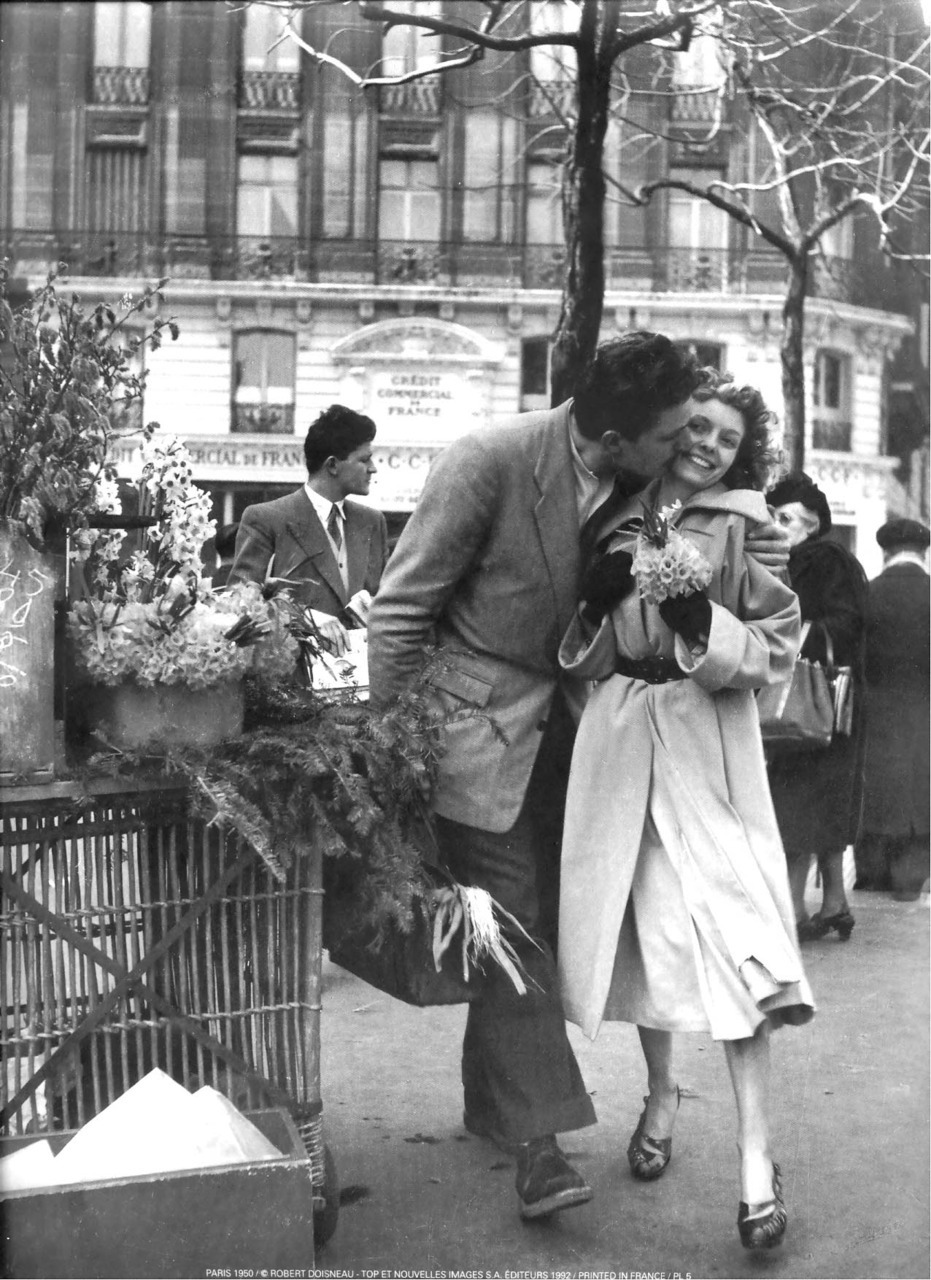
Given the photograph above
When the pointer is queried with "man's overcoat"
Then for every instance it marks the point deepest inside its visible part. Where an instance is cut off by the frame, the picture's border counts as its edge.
(487, 569)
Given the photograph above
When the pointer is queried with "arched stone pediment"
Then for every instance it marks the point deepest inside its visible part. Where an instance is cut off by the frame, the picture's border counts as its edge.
(424, 381)
(419, 339)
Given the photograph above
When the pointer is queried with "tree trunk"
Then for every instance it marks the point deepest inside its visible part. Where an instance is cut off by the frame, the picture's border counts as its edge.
(583, 200)
(792, 355)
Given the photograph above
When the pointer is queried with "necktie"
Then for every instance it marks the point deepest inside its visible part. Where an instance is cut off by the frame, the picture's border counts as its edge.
(334, 526)
(625, 487)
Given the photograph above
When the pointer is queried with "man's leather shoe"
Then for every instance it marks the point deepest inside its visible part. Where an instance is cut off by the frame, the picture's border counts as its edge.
(482, 1128)
(546, 1181)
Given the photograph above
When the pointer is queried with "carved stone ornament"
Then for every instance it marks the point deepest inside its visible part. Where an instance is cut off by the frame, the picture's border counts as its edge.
(421, 338)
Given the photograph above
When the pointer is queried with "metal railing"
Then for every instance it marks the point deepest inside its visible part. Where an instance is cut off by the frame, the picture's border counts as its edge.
(263, 419)
(551, 98)
(269, 91)
(690, 106)
(121, 86)
(472, 264)
(415, 98)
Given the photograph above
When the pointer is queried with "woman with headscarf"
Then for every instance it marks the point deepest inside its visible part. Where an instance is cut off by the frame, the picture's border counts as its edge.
(817, 793)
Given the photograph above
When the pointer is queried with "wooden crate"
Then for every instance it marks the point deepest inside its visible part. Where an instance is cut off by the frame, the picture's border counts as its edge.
(241, 1219)
(135, 935)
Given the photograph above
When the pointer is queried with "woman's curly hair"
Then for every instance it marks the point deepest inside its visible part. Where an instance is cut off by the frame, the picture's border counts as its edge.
(756, 457)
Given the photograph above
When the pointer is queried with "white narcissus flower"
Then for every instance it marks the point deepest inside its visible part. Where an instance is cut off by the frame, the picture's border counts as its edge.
(665, 562)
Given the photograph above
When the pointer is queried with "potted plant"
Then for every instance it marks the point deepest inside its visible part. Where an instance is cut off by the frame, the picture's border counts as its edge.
(159, 652)
(66, 382)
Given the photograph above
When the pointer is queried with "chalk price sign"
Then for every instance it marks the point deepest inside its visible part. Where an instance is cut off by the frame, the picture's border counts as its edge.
(18, 591)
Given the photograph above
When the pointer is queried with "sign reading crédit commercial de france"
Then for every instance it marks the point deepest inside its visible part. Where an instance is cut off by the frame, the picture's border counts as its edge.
(424, 403)
(401, 468)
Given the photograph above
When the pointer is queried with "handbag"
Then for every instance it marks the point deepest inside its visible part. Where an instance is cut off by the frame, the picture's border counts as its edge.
(406, 965)
(804, 712)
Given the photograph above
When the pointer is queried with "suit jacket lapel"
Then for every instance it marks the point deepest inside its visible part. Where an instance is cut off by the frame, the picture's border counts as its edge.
(311, 536)
(556, 514)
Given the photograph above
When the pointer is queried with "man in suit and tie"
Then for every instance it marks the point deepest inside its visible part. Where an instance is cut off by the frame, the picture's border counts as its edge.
(332, 549)
(489, 568)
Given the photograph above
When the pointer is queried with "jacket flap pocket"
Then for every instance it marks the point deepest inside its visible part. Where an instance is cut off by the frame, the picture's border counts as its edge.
(469, 688)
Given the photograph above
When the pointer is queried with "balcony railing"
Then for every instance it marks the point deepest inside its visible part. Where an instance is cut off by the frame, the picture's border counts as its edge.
(263, 419)
(691, 106)
(551, 98)
(414, 98)
(269, 91)
(657, 269)
(121, 86)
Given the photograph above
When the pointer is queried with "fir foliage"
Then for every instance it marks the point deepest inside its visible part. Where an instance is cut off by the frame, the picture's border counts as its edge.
(310, 773)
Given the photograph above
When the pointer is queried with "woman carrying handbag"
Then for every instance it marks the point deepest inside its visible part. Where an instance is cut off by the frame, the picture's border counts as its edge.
(816, 794)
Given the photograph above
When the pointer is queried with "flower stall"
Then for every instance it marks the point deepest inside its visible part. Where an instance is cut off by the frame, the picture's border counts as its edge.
(139, 930)
(67, 385)
(161, 890)
(159, 654)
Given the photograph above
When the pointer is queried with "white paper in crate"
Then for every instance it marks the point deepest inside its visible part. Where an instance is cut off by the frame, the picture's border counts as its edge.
(157, 1126)
(32, 1166)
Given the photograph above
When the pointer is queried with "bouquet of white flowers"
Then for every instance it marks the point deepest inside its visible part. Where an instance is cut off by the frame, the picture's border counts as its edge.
(665, 562)
(153, 618)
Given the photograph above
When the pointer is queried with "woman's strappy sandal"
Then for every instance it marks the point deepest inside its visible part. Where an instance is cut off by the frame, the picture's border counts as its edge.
(762, 1226)
(649, 1157)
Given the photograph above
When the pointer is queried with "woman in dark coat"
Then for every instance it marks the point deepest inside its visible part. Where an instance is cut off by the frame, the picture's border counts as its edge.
(817, 793)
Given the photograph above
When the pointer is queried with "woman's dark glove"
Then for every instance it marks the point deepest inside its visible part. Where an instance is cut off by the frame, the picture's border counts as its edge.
(605, 583)
(689, 616)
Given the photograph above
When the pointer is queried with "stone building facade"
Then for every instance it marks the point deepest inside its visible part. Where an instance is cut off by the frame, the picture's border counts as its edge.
(398, 251)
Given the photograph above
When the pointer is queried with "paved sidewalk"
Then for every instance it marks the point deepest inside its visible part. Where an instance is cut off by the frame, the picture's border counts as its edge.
(850, 1118)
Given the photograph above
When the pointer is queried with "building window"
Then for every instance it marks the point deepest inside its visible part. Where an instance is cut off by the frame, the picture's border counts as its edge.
(266, 196)
(270, 78)
(698, 232)
(831, 427)
(263, 382)
(122, 30)
(837, 241)
(116, 198)
(553, 66)
(488, 200)
(535, 373)
(405, 48)
(706, 353)
(122, 38)
(263, 48)
(544, 203)
(408, 200)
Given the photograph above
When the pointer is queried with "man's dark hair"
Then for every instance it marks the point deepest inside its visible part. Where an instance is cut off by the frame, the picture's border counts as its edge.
(335, 434)
(630, 380)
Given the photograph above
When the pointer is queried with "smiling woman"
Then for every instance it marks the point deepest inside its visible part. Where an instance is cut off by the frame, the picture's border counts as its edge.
(709, 447)
(675, 910)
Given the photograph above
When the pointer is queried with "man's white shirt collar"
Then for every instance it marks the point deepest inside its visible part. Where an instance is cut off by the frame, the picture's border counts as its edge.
(322, 505)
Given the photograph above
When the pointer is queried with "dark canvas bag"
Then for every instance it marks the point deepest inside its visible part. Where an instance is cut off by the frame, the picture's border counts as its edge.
(398, 963)
(804, 712)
